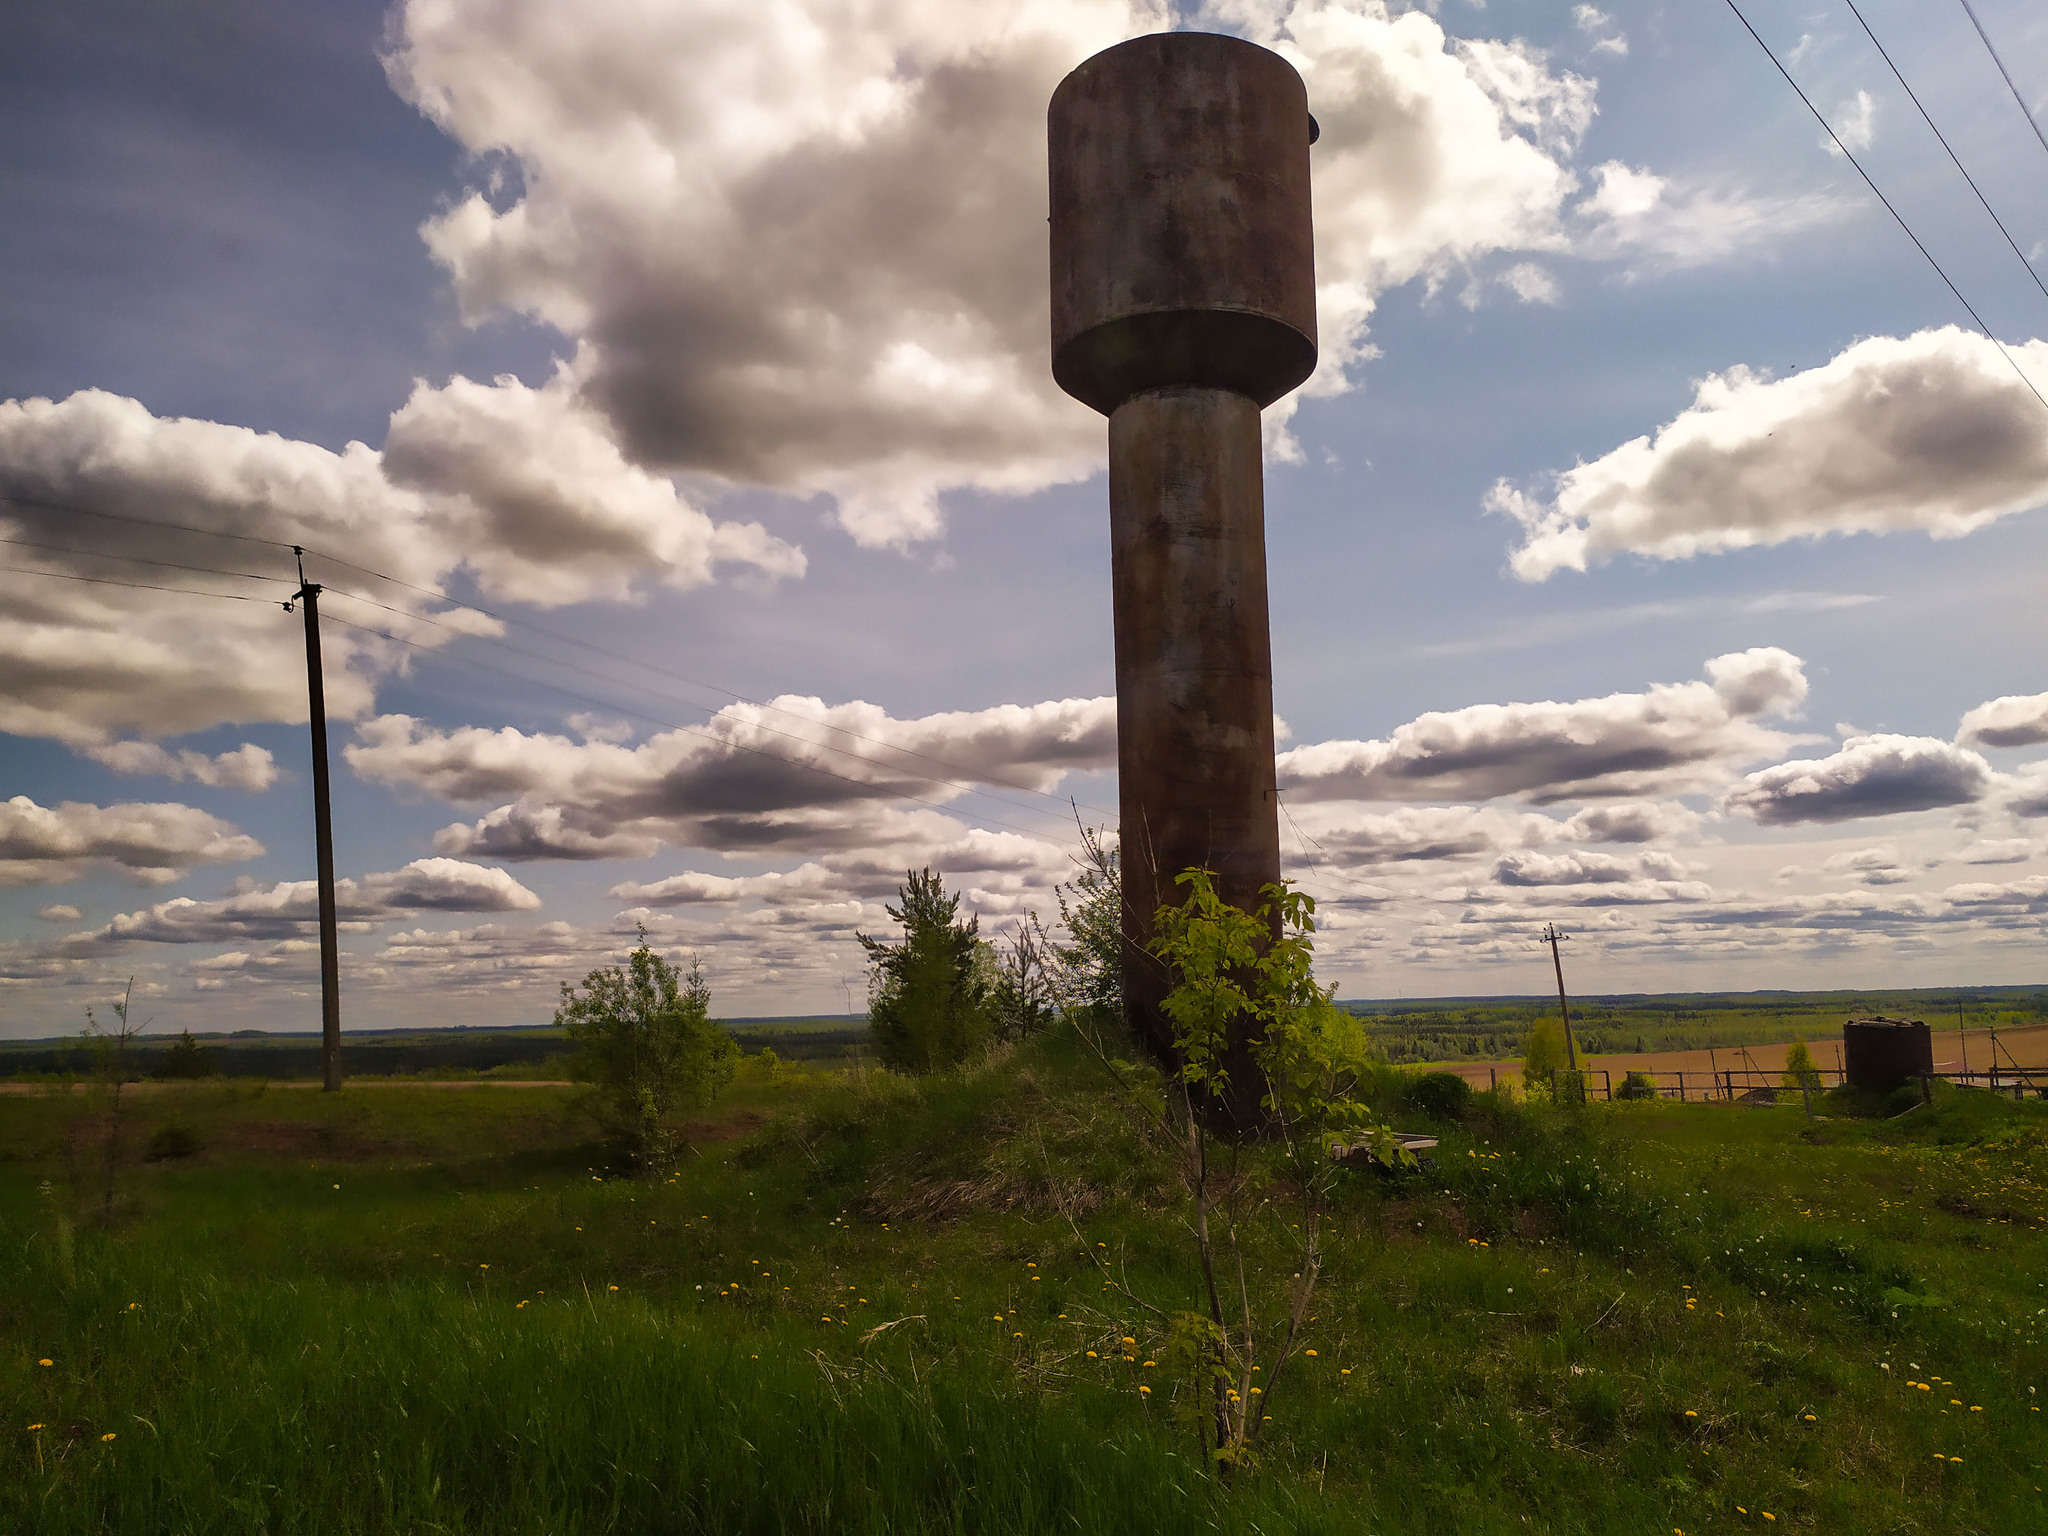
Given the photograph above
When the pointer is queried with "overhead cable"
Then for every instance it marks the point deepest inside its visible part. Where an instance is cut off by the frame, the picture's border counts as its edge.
(1888, 208)
(879, 791)
(1953, 157)
(539, 629)
(2028, 112)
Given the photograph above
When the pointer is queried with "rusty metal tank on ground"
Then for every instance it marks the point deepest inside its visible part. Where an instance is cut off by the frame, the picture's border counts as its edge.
(1883, 1054)
(1183, 302)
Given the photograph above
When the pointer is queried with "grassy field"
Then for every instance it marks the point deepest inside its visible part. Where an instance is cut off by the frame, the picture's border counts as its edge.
(1492, 1029)
(871, 1305)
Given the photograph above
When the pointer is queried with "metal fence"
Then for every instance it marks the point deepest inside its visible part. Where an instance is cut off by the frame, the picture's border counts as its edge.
(1758, 1085)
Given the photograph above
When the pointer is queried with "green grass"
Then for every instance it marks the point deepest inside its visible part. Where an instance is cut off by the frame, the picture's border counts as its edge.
(481, 1329)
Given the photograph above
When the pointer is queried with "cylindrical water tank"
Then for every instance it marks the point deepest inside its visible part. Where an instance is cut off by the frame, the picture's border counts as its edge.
(1183, 251)
(1883, 1054)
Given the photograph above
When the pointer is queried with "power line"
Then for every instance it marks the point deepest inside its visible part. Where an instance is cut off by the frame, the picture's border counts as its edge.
(169, 565)
(965, 787)
(2025, 110)
(694, 730)
(542, 630)
(1953, 157)
(139, 586)
(1888, 208)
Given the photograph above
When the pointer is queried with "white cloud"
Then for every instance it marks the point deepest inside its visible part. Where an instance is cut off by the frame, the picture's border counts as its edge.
(2016, 720)
(1855, 124)
(1874, 775)
(1530, 283)
(152, 844)
(2002, 850)
(794, 773)
(1669, 739)
(59, 912)
(1600, 30)
(1649, 220)
(1872, 866)
(802, 246)
(1932, 433)
(518, 487)
(291, 910)
(247, 767)
(1586, 869)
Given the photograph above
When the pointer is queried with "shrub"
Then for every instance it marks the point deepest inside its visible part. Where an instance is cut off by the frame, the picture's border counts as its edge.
(1439, 1095)
(644, 1037)
(1800, 1072)
(187, 1058)
(171, 1142)
(1543, 1054)
(1637, 1085)
(927, 992)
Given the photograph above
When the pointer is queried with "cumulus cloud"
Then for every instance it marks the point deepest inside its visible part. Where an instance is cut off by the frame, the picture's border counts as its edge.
(1933, 433)
(1586, 869)
(58, 912)
(803, 247)
(247, 767)
(996, 864)
(2029, 791)
(2016, 720)
(1647, 220)
(291, 909)
(1671, 738)
(1872, 866)
(516, 487)
(1600, 30)
(1875, 775)
(152, 844)
(793, 773)
(1855, 124)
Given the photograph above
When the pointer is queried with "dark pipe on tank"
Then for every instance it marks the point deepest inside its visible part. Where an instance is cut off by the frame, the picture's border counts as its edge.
(1183, 303)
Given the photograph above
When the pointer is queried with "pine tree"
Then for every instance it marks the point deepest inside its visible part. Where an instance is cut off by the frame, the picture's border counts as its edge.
(927, 992)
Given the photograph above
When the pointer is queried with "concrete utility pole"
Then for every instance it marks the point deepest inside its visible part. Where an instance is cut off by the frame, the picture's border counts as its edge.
(1183, 304)
(1553, 938)
(323, 839)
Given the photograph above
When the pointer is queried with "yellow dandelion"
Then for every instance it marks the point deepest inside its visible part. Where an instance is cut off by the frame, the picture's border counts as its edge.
(1769, 1516)
(1093, 1356)
(1344, 1370)
(611, 1287)
(1692, 1413)
(1016, 1335)
(1811, 1419)
(1956, 1459)
(1130, 1341)
(1976, 1410)
(106, 1437)
(1147, 1391)
(35, 1426)
(46, 1362)
(1310, 1353)
(1151, 1362)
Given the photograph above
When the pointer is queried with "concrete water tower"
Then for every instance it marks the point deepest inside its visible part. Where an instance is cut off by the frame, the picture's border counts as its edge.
(1183, 303)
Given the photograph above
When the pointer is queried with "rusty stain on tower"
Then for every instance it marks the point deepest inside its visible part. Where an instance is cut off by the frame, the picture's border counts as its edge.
(1183, 303)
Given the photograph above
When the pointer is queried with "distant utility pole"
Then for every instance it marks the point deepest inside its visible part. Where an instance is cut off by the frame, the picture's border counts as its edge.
(323, 838)
(1553, 938)
(1962, 1040)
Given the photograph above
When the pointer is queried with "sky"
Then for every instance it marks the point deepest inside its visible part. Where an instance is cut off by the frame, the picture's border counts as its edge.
(660, 395)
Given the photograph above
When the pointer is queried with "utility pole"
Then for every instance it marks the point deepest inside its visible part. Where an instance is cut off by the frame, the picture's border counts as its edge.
(323, 838)
(1553, 938)
(1962, 1040)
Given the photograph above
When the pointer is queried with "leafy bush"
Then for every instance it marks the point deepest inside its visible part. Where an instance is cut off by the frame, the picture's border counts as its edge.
(928, 991)
(1439, 1095)
(1544, 1053)
(187, 1058)
(644, 1037)
(1089, 971)
(171, 1142)
(1800, 1073)
(1637, 1085)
